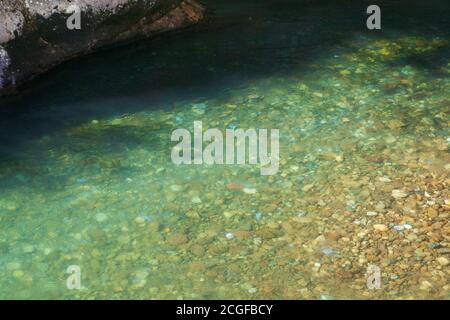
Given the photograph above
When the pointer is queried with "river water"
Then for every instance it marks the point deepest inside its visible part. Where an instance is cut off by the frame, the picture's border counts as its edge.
(362, 190)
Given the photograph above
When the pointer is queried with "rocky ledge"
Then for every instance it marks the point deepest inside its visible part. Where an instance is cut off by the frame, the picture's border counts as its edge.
(35, 34)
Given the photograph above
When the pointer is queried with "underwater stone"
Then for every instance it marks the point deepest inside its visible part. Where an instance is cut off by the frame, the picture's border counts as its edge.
(249, 190)
(100, 217)
(443, 261)
(176, 188)
(140, 220)
(328, 251)
(196, 200)
(398, 194)
(229, 236)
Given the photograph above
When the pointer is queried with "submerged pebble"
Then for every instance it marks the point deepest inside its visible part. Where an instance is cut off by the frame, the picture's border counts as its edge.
(229, 235)
(101, 217)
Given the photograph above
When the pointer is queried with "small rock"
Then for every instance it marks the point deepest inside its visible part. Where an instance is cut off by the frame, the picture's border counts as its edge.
(229, 236)
(192, 214)
(380, 227)
(411, 237)
(328, 251)
(398, 194)
(371, 213)
(249, 190)
(235, 186)
(307, 187)
(197, 250)
(426, 285)
(139, 220)
(177, 239)
(443, 261)
(176, 188)
(100, 217)
(196, 200)
(228, 214)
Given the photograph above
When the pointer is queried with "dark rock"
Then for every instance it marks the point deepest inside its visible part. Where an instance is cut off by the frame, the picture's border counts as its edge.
(34, 36)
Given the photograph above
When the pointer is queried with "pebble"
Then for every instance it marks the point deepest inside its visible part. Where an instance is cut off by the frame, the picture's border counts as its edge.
(229, 236)
(148, 218)
(371, 213)
(177, 239)
(176, 188)
(101, 217)
(235, 186)
(197, 250)
(443, 261)
(228, 214)
(196, 200)
(426, 285)
(380, 227)
(140, 220)
(401, 227)
(192, 214)
(398, 194)
(249, 190)
(411, 237)
(252, 290)
(328, 251)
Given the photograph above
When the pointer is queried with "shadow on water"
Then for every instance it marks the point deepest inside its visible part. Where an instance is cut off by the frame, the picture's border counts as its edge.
(238, 42)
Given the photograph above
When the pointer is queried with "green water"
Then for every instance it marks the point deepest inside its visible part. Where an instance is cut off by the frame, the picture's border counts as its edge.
(86, 176)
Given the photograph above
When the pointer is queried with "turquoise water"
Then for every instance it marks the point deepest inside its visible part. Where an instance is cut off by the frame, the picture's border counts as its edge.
(86, 176)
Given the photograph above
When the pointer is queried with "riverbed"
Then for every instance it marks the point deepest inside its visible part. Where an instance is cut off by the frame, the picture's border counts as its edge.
(87, 180)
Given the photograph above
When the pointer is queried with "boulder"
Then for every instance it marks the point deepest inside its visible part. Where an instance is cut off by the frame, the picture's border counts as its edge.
(35, 34)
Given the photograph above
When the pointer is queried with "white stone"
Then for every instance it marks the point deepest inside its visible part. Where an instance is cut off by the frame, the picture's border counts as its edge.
(100, 217)
(398, 194)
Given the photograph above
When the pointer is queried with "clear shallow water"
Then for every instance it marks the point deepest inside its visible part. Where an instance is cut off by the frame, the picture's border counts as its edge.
(86, 177)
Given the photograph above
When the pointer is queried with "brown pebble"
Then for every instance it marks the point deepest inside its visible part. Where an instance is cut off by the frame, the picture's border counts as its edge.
(198, 250)
(242, 234)
(177, 239)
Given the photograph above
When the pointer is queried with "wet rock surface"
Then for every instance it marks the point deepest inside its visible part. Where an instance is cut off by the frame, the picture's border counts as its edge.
(34, 36)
